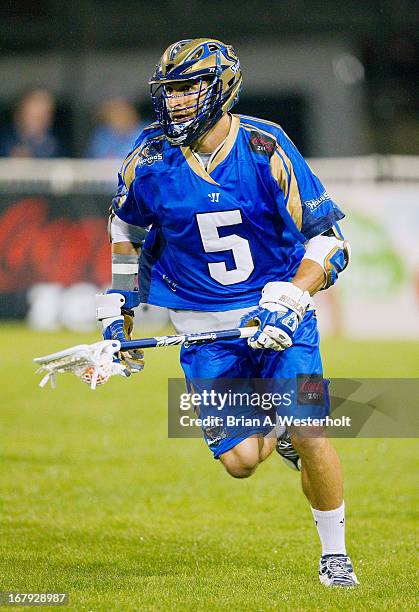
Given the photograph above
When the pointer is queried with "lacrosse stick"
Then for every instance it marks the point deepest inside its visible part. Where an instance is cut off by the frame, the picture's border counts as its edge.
(95, 363)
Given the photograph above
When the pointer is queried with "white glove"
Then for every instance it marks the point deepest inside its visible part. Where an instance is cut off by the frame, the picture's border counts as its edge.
(281, 310)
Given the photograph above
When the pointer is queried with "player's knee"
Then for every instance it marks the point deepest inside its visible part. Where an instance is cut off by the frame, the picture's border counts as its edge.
(242, 460)
(239, 470)
(239, 465)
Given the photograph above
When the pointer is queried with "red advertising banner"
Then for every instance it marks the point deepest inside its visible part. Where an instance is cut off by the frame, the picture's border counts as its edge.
(51, 238)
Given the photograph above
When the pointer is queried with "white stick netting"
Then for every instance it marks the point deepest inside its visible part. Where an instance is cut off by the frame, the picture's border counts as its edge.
(93, 363)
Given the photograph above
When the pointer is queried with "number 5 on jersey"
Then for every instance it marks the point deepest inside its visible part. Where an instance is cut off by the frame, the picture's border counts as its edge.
(208, 224)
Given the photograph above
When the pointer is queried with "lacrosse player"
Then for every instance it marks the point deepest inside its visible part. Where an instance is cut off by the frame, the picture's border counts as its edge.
(233, 228)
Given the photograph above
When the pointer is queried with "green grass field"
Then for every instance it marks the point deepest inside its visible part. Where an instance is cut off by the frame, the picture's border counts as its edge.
(97, 501)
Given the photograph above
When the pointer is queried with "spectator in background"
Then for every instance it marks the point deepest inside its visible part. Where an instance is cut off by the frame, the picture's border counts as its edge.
(119, 126)
(31, 134)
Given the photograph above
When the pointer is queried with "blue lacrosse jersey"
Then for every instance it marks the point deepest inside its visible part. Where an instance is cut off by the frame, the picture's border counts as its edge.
(217, 236)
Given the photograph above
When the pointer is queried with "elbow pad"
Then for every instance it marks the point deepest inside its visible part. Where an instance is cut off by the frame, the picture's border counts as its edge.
(331, 254)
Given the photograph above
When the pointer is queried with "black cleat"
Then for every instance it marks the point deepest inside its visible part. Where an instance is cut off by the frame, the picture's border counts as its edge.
(287, 452)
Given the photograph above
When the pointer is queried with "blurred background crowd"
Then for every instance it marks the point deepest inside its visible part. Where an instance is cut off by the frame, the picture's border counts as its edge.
(74, 78)
(35, 128)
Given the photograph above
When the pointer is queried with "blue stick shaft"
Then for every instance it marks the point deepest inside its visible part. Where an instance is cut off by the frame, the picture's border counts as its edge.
(203, 338)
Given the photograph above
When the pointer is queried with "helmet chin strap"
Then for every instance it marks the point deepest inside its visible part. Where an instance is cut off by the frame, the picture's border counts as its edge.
(179, 127)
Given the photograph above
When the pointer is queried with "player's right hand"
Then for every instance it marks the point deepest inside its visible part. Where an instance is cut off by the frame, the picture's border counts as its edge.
(114, 310)
(120, 328)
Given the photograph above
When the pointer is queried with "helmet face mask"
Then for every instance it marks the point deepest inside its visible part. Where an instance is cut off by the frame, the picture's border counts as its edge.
(185, 115)
(195, 83)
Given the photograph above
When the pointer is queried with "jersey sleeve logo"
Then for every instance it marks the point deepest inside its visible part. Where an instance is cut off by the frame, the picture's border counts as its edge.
(259, 143)
(313, 204)
(151, 152)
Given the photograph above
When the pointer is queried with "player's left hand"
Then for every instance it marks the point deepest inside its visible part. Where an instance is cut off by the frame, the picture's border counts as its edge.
(281, 310)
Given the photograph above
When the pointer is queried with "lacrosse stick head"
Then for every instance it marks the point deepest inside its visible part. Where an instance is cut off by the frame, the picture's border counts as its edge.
(94, 364)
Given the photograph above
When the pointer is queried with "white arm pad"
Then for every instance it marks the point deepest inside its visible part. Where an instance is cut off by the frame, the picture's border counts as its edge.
(283, 296)
(108, 305)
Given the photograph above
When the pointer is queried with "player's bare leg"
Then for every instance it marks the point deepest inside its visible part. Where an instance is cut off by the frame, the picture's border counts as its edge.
(242, 460)
(322, 483)
(321, 473)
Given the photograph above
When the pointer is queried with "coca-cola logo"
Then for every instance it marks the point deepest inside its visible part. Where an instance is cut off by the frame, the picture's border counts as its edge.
(261, 144)
(311, 386)
(310, 389)
(36, 248)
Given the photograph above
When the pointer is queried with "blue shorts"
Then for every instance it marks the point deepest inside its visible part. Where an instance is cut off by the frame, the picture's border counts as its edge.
(291, 371)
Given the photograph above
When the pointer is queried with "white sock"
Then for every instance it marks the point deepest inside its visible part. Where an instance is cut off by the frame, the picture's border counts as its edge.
(331, 529)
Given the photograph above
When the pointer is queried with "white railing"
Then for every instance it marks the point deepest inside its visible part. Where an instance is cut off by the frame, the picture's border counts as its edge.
(80, 175)
(59, 175)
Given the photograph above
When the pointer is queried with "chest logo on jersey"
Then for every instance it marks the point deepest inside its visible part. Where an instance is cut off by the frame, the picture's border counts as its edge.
(261, 144)
(214, 197)
(151, 153)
